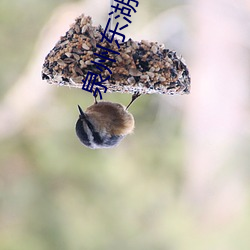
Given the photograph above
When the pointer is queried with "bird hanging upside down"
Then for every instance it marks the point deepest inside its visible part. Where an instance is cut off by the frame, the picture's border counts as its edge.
(104, 124)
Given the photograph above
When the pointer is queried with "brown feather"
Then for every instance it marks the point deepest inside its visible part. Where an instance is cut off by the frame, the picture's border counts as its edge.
(111, 117)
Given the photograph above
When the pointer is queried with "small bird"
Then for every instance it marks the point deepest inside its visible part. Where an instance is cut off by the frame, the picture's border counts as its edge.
(104, 124)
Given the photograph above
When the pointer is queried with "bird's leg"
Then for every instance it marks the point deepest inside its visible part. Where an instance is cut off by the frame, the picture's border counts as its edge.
(95, 97)
(134, 97)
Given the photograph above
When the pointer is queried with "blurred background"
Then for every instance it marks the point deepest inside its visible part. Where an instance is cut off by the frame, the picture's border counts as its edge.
(180, 182)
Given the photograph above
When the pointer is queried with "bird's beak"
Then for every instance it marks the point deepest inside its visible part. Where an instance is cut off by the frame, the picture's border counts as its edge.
(82, 115)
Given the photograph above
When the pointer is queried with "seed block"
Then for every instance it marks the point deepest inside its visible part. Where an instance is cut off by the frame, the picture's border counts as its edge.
(144, 67)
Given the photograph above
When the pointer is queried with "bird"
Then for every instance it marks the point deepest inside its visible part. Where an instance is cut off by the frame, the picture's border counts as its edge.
(104, 124)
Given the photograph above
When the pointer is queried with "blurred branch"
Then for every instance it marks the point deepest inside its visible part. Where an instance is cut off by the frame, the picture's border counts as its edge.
(30, 92)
